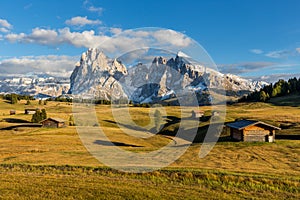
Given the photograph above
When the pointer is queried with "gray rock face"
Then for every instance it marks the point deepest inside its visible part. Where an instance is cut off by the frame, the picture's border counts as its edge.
(100, 77)
(97, 75)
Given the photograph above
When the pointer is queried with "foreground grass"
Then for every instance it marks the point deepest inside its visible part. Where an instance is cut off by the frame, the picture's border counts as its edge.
(41, 163)
(71, 182)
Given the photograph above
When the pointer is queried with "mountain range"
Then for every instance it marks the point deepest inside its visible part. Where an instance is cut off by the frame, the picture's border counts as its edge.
(34, 85)
(101, 77)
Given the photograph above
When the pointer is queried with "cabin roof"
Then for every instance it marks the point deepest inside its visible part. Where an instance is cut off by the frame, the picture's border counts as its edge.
(55, 119)
(198, 111)
(241, 124)
(31, 109)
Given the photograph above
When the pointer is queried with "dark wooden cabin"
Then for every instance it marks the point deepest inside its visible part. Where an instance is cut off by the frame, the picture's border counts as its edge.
(53, 123)
(12, 112)
(30, 111)
(252, 131)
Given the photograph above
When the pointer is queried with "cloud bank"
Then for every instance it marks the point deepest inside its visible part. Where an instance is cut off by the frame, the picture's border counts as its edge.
(49, 64)
(5, 26)
(82, 21)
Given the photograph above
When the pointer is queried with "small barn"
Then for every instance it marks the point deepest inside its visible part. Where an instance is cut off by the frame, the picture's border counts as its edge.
(252, 131)
(197, 113)
(12, 112)
(30, 111)
(53, 123)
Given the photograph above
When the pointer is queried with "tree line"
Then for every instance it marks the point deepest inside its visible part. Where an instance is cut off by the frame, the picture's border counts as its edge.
(278, 89)
(14, 98)
(39, 116)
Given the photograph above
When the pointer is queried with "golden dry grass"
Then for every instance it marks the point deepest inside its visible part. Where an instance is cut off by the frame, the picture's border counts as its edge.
(61, 147)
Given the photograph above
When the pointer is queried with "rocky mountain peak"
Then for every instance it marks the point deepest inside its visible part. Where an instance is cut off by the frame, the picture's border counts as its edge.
(103, 77)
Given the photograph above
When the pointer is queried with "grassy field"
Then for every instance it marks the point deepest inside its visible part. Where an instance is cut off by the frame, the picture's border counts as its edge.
(39, 163)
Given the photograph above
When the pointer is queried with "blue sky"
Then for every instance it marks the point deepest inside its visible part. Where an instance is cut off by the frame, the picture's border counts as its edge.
(259, 39)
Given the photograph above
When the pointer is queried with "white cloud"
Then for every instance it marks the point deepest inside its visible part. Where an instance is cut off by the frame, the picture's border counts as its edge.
(279, 54)
(51, 64)
(42, 36)
(298, 49)
(86, 39)
(5, 26)
(275, 77)
(256, 51)
(82, 21)
(15, 37)
(172, 37)
(127, 41)
(90, 7)
(62, 36)
(239, 68)
(115, 30)
(98, 10)
(4, 23)
(28, 6)
(4, 30)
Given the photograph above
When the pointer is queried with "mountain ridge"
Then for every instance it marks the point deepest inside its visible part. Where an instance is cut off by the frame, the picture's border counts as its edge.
(107, 78)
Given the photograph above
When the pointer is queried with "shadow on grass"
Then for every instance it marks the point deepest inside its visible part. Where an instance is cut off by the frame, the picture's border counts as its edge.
(287, 137)
(172, 127)
(25, 125)
(15, 120)
(128, 126)
(110, 121)
(109, 143)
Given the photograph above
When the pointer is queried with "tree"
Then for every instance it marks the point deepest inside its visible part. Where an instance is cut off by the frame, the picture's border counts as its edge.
(275, 92)
(40, 102)
(28, 102)
(43, 114)
(71, 121)
(263, 96)
(13, 99)
(45, 102)
(39, 116)
(36, 117)
(157, 120)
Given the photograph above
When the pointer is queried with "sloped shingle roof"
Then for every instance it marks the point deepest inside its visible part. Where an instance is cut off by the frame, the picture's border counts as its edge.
(59, 120)
(241, 124)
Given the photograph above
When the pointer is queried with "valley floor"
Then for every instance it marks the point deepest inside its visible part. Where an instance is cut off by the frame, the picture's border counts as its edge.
(44, 163)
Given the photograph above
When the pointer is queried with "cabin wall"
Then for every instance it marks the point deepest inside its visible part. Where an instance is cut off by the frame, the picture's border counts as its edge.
(50, 124)
(256, 134)
(236, 134)
(60, 124)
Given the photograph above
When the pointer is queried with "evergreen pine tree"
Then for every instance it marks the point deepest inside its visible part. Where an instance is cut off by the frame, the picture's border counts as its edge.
(71, 121)
(263, 96)
(43, 114)
(14, 99)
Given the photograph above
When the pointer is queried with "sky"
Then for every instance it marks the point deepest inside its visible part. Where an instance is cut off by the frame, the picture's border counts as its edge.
(257, 39)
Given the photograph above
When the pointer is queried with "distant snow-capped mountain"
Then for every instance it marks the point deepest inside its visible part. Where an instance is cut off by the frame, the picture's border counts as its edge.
(32, 84)
(104, 78)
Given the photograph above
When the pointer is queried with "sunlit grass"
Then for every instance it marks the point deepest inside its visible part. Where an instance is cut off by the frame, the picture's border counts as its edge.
(34, 161)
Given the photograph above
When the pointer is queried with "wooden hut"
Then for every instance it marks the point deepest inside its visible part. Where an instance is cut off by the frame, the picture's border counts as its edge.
(30, 111)
(197, 113)
(12, 112)
(252, 131)
(53, 123)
